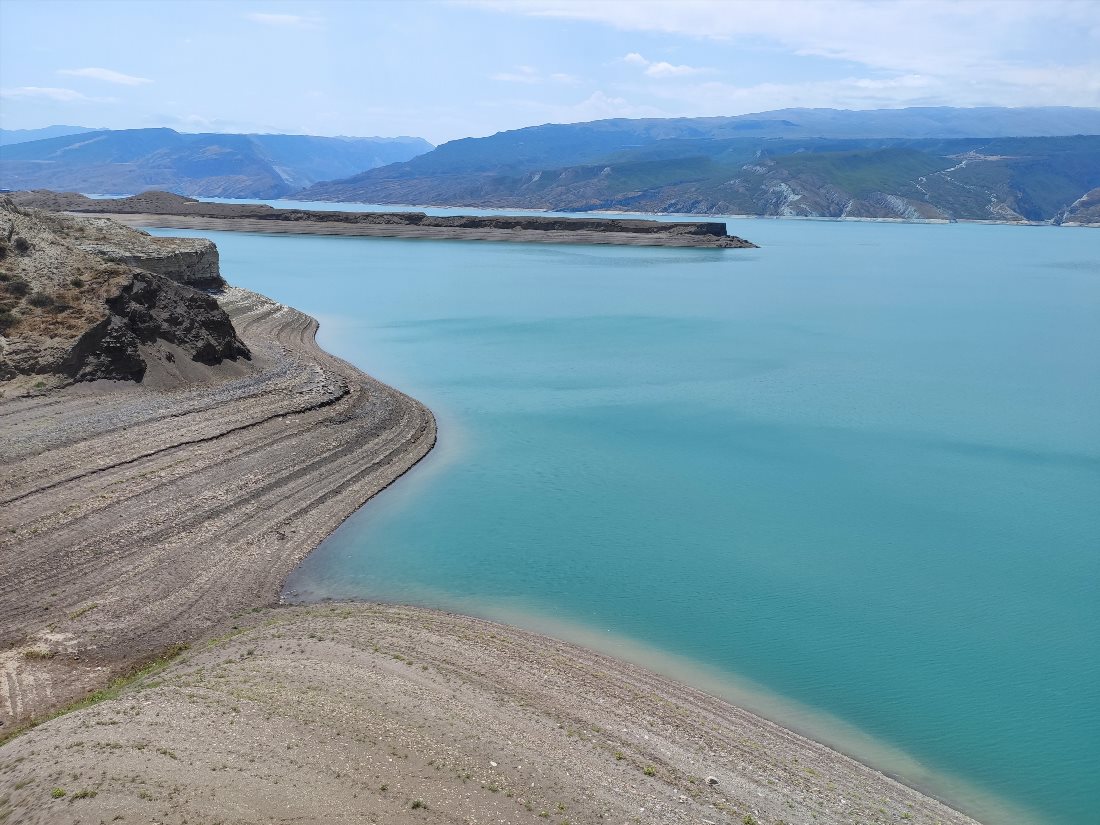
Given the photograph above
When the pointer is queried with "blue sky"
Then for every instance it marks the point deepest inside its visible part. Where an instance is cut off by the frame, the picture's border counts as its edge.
(450, 69)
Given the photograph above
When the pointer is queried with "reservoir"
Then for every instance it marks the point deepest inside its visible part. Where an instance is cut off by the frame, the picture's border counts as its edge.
(850, 479)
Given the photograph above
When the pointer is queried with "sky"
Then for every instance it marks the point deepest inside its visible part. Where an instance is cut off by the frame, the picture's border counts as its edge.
(446, 69)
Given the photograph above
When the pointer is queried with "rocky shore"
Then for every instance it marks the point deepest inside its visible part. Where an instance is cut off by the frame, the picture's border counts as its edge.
(163, 209)
(149, 484)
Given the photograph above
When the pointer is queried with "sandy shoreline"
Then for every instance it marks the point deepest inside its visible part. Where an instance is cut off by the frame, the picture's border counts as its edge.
(138, 520)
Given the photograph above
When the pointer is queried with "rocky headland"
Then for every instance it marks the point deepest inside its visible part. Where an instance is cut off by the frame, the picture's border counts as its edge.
(174, 211)
(83, 299)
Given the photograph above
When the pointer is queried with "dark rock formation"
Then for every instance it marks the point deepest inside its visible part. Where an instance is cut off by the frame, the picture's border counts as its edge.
(150, 309)
(86, 299)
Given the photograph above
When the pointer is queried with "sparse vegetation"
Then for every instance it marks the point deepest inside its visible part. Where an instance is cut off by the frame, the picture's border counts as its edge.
(110, 692)
(40, 300)
(76, 614)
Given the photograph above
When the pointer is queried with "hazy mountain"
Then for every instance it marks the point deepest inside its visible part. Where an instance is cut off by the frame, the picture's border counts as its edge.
(10, 136)
(136, 160)
(904, 163)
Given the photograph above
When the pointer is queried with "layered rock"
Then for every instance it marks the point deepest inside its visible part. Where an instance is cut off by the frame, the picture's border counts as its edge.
(85, 299)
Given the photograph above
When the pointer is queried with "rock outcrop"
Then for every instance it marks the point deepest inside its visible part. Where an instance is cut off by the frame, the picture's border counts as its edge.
(1085, 211)
(86, 298)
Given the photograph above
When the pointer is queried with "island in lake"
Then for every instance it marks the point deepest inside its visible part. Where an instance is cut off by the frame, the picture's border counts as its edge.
(164, 209)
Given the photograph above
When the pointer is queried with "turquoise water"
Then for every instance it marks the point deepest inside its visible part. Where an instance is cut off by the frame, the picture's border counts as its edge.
(854, 473)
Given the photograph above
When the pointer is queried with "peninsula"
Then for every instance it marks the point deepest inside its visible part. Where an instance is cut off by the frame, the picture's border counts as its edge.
(172, 446)
(164, 209)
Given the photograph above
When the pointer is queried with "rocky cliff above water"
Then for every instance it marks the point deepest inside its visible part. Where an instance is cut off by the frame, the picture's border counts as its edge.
(86, 298)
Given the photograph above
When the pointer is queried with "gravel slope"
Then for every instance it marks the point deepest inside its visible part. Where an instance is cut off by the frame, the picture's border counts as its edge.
(351, 713)
(133, 518)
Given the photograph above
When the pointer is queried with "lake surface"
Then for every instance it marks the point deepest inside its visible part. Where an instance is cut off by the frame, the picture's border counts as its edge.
(850, 479)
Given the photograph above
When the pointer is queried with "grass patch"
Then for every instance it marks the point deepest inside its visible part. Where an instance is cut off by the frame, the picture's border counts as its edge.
(76, 614)
(116, 687)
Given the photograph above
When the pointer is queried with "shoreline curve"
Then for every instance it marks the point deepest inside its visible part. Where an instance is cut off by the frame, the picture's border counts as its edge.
(135, 519)
(149, 519)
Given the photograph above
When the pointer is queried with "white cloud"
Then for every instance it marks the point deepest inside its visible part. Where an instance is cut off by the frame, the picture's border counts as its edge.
(1037, 87)
(522, 74)
(661, 68)
(294, 21)
(107, 75)
(529, 74)
(600, 105)
(960, 45)
(51, 93)
(664, 69)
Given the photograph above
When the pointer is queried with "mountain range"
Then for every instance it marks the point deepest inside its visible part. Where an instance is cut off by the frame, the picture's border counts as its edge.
(937, 163)
(10, 136)
(212, 165)
(1027, 164)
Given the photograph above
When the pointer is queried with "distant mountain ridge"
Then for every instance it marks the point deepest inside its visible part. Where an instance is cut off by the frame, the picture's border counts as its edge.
(11, 136)
(213, 165)
(931, 163)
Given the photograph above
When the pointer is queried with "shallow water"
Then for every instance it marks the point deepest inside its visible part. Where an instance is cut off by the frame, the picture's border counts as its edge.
(854, 473)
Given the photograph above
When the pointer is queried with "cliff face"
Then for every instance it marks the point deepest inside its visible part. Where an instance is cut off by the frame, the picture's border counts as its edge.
(190, 261)
(86, 299)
